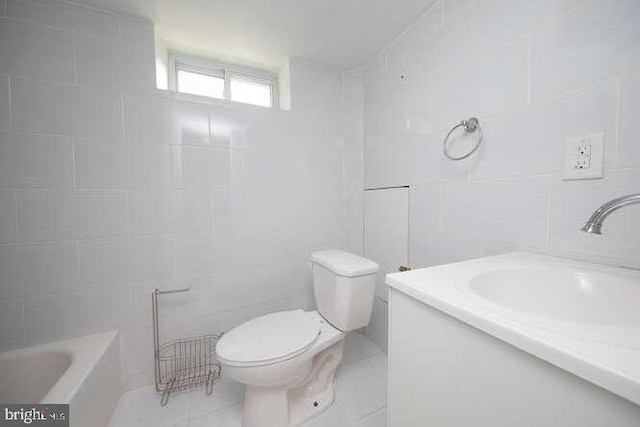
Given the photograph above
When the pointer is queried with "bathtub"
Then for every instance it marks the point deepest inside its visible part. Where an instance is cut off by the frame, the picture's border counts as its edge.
(84, 372)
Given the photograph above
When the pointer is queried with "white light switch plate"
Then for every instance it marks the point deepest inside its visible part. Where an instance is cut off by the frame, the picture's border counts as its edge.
(583, 157)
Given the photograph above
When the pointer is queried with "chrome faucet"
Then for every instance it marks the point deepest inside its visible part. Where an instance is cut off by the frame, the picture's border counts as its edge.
(594, 223)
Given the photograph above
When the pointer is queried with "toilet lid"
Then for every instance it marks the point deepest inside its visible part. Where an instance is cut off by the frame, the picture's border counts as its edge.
(269, 339)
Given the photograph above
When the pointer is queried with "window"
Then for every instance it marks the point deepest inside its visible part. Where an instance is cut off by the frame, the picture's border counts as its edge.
(200, 83)
(224, 81)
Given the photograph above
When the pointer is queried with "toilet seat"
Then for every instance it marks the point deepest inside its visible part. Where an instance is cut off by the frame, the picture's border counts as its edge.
(269, 339)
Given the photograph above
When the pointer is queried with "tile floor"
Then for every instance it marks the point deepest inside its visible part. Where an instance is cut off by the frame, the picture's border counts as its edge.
(361, 398)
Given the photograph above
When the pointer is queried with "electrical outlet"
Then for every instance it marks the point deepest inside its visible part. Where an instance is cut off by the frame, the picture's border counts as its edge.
(583, 157)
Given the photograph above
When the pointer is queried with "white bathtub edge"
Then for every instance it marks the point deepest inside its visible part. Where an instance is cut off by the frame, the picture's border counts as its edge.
(85, 353)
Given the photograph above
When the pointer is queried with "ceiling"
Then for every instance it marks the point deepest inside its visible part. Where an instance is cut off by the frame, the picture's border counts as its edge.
(342, 33)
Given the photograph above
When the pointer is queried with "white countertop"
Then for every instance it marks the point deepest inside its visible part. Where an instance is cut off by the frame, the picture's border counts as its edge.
(606, 355)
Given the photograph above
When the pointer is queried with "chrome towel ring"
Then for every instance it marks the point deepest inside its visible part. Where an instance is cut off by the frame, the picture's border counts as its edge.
(470, 125)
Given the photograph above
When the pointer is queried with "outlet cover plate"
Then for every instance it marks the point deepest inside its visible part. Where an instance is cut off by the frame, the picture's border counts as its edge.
(583, 157)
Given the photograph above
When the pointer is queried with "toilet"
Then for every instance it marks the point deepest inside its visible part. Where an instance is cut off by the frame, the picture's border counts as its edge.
(288, 359)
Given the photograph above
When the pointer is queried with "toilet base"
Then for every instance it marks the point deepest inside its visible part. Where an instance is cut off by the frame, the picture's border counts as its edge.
(291, 406)
(265, 406)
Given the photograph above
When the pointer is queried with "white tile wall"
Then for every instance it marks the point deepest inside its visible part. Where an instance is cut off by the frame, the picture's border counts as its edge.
(138, 167)
(105, 263)
(12, 325)
(76, 313)
(429, 249)
(71, 215)
(353, 128)
(37, 52)
(425, 209)
(316, 89)
(498, 21)
(109, 188)
(374, 67)
(109, 63)
(136, 31)
(8, 216)
(492, 84)
(315, 74)
(5, 108)
(255, 285)
(204, 170)
(487, 210)
(53, 109)
(385, 148)
(535, 73)
(454, 43)
(519, 145)
(425, 162)
(157, 120)
(29, 270)
(386, 225)
(594, 41)
(35, 161)
(314, 99)
(65, 16)
(629, 155)
(573, 201)
(194, 255)
(100, 165)
(162, 212)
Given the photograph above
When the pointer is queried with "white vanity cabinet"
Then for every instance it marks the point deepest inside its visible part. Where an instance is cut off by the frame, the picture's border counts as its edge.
(454, 362)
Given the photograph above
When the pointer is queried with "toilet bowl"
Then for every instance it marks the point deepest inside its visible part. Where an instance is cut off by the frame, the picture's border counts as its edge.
(294, 380)
(288, 359)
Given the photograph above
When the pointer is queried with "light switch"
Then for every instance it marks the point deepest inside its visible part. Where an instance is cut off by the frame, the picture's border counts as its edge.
(583, 157)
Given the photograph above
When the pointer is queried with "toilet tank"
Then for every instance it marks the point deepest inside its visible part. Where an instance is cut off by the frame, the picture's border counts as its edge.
(344, 287)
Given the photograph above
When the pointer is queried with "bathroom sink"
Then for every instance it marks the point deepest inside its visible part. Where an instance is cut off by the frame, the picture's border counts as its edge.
(576, 295)
(579, 316)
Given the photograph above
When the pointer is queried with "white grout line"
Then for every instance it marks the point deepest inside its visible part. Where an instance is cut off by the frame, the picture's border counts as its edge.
(618, 125)
(73, 163)
(17, 216)
(174, 257)
(79, 265)
(374, 412)
(529, 71)
(441, 208)
(11, 126)
(123, 119)
(512, 178)
(559, 95)
(474, 39)
(74, 59)
(23, 311)
(549, 209)
(127, 213)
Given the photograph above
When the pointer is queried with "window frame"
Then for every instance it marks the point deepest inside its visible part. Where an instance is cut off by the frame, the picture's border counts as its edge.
(179, 61)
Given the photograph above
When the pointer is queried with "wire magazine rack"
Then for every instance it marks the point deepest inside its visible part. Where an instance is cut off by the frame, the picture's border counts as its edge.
(183, 363)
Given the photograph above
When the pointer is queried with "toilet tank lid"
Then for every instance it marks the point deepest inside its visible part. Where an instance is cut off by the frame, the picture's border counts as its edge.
(344, 263)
